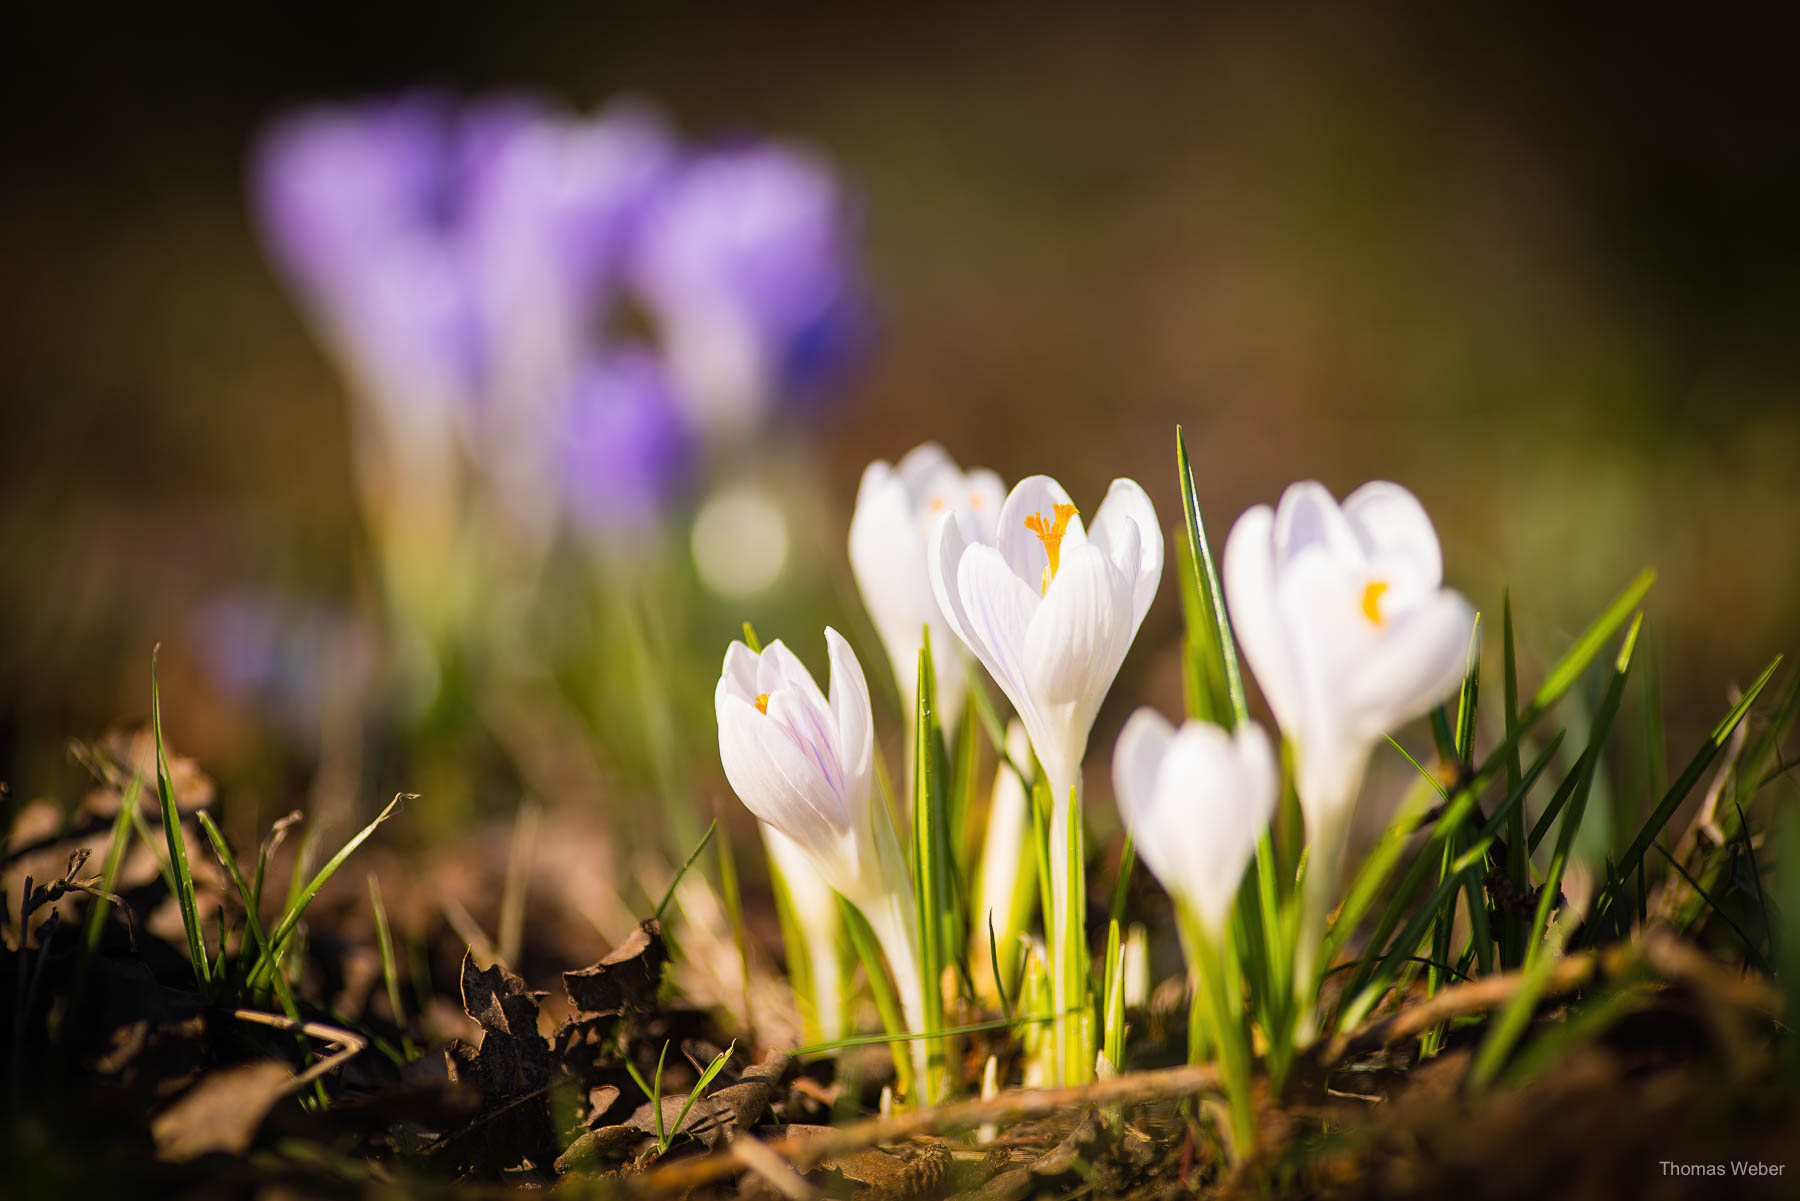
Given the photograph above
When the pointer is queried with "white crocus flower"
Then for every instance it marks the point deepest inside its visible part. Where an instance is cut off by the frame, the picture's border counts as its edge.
(805, 766)
(1343, 617)
(1050, 607)
(896, 507)
(1195, 800)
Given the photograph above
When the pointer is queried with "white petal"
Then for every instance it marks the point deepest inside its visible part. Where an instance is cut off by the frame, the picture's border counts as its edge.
(1127, 512)
(738, 677)
(1249, 583)
(1022, 549)
(850, 706)
(777, 782)
(1418, 663)
(943, 558)
(1078, 637)
(1392, 525)
(812, 731)
(999, 609)
(1309, 517)
(887, 557)
(1137, 760)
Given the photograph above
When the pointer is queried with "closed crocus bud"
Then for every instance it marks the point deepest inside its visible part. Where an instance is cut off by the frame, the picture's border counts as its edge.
(804, 764)
(896, 506)
(1050, 607)
(1343, 617)
(1195, 800)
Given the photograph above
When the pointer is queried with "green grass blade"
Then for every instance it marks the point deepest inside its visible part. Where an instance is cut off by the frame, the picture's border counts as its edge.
(662, 906)
(390, 970)
(1518, 861)
(94, 922)
(178, 857)
(931, 864)
(1684, 783)
(303, 897)
(265, 952)
(1558, 799)
(1577, 804)
(1207, 585)
(1569, 668)
(706, 1077)
(1382, 860)
(887, 1004)
(1510, 1025)
(1373, 976)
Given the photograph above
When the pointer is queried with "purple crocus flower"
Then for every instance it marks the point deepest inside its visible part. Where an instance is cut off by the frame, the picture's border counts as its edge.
(747, 260)
(625, 448)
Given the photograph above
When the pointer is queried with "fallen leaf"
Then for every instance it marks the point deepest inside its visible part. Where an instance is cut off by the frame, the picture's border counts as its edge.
(627, 979)
(221, 1113)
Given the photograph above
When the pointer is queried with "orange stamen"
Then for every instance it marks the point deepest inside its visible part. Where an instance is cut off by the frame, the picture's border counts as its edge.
(1371, 600)
(1051, 533)
(762, 704)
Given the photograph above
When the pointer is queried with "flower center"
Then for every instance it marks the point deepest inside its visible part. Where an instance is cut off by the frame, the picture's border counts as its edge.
(1050, 533)
(762, 704)
(1371, 600)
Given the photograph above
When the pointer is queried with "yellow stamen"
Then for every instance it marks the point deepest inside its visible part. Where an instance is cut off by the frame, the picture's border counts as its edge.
(938, 504)
(1050, 533)
(1371, 600)
(762, 704)
(975, 501)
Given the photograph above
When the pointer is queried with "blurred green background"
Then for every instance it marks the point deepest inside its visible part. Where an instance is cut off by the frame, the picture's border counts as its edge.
(1541, 269)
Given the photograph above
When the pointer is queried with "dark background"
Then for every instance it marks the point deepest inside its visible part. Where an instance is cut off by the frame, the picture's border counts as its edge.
(1540, 267)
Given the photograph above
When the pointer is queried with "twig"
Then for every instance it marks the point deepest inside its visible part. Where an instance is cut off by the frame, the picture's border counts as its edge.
(1657, 949)
(349, 1043)
(776, 1171)
(676, 1178)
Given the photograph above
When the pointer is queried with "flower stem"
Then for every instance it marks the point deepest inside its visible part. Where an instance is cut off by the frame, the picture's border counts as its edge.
(1068, 941)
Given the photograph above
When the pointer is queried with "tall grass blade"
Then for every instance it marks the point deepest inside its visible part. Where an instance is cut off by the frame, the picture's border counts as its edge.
(178, 858)
(1206, 584)
(1684, 783)
(1576, 808)
(304, 894)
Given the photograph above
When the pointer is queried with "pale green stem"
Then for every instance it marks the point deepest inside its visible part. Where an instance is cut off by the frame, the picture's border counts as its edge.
(1069, 959)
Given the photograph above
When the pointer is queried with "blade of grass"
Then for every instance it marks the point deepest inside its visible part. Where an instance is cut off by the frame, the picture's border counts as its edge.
(304, 896)
(178, 857)
(1381, 861)
(1510, 1025)
(265, 953)
(706, 1078)
(390, 970)
(1577, 805)
(1207, 585)
(887, 1004)
(1367, 986)
(1684, 783)
(1518, 861)
(931, 857)
(1756, 955)
(662, 906)
(94, 922)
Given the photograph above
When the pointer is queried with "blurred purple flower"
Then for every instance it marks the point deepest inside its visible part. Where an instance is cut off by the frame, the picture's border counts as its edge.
(748, 260)
(456, 255)
(626, 449)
